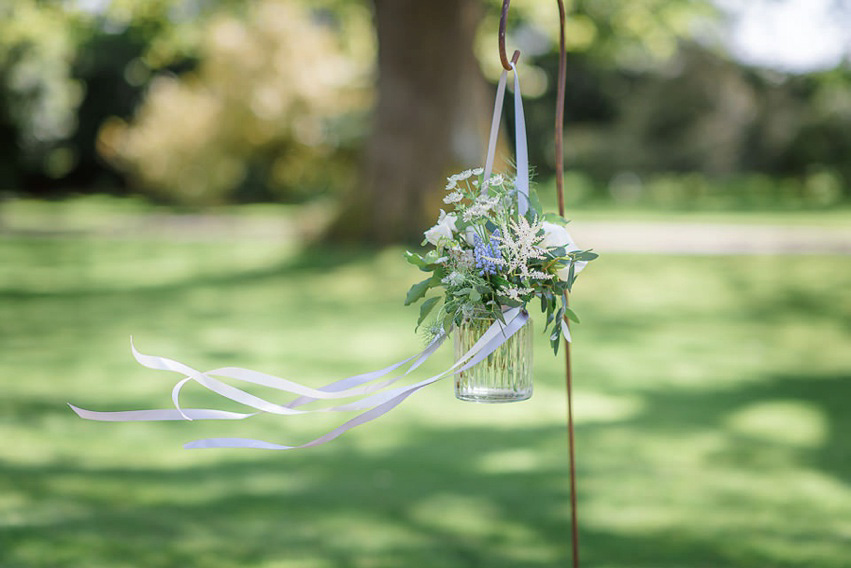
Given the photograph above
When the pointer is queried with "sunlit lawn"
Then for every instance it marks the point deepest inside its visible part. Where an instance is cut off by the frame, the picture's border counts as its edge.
(712, 416)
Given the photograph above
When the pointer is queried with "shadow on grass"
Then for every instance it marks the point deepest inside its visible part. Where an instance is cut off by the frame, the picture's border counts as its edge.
(827, 396)
(306, 262)
(427, 503)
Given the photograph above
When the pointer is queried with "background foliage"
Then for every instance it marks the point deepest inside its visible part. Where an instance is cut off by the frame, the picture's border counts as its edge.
(210, 102)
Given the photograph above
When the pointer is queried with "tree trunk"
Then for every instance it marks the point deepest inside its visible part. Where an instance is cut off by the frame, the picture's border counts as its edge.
(432, 116)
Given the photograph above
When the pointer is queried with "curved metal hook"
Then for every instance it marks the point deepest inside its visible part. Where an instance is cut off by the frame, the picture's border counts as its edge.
(502, 56)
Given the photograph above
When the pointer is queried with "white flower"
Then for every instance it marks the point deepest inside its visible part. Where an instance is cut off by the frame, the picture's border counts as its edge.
(478, 171)
(475, 210)
(495, 179)
(452, 182)
(519, 245)
(448, 219)
(465, 174)
(557, 236)
(453, 197)
(443, 230)
(516, 293)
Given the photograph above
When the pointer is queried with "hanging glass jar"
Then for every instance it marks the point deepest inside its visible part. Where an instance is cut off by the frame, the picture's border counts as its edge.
(505, 375)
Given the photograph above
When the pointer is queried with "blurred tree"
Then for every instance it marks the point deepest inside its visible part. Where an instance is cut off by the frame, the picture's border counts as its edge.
(433, 105)
(38, 95)
(432, 114)
(224, 116)
(256, 119)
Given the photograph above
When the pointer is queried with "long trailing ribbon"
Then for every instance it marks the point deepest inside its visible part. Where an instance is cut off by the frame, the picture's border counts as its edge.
(373, 400)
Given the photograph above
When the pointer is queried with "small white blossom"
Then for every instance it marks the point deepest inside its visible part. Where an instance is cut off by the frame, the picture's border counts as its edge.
(494, 180)
(453, 197)
(454, 279)
(478, 171)
(538, 275)
(519, 244)
(465, 174)
(474, 211)
(451, 183)
(516, 293)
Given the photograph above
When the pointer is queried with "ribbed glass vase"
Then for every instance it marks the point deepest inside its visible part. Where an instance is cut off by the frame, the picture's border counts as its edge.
(505, 375)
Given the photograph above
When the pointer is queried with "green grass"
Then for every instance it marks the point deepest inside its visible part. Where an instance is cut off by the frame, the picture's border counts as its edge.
(711, 400)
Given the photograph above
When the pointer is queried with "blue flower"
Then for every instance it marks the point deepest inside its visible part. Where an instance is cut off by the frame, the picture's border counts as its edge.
(485, 254)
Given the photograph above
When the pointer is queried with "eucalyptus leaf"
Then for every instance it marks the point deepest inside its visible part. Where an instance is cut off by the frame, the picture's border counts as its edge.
(535, 202)
(586, 255)
(555, 218)
(426, 308)
(417, 291)
(415, 259)
(571, 315)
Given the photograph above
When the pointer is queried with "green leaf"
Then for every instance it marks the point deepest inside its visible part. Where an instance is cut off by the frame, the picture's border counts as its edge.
(431, 257)
(571, 315)
(555, 218)
(415, 259)
(417, 291)
(447, 322)
(474, 295)
(535, 202)
(585, 255)
(426, 308)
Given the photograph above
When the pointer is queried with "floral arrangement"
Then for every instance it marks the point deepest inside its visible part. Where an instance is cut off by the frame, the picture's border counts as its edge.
(488, 256)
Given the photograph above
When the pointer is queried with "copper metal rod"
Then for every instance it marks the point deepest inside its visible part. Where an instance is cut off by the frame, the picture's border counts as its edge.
(502, 20)
(559, 155)
(568, 373)
(559, 159)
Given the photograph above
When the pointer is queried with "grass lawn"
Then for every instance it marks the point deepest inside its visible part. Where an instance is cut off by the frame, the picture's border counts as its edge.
(712, 412)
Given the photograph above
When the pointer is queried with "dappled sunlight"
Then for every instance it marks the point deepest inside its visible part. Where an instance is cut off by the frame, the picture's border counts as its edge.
(709, 427)
(791, 422)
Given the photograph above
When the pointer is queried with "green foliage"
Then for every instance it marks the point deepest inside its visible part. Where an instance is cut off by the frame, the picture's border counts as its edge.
(38, 94)
(488, 257)
(268, 112)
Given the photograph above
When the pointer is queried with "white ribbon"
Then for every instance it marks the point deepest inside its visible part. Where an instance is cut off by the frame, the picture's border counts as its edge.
(521, 152)
(374, 403)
